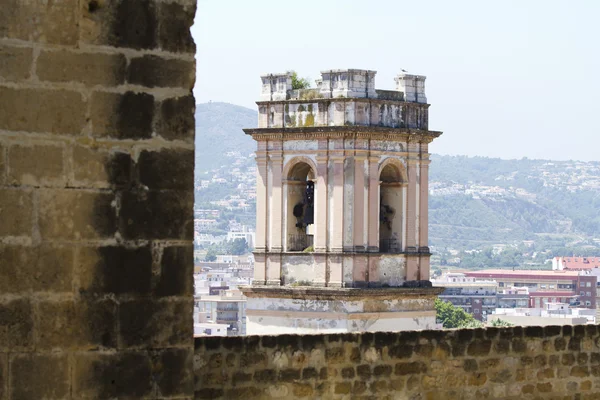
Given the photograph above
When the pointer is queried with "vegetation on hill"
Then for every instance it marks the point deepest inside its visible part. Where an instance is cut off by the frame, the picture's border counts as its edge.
(219, 130)
(553, 204)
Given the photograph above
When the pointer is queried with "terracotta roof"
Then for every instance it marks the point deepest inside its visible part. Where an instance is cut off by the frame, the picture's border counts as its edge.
(580, 263)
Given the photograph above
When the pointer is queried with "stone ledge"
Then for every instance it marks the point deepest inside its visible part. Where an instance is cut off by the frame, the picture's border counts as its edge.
(342, 131)
(344, 253)
(328, 293)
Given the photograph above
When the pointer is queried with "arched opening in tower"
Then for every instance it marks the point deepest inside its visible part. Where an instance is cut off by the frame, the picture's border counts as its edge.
(300, 207)
(390, 210)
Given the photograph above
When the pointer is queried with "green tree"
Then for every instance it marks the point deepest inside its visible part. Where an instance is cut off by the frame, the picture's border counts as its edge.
(299, 83)
(239, 246)
(454, 317)
(211, 255)
(500, 323)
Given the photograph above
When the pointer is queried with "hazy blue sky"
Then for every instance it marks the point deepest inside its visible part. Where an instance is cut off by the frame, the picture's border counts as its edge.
(505, 79)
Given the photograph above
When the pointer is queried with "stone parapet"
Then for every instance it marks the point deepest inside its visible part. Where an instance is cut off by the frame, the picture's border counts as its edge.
(316, 293)
(492, 363)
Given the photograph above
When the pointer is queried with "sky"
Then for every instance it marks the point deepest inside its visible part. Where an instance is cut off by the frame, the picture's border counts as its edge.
(506, 79)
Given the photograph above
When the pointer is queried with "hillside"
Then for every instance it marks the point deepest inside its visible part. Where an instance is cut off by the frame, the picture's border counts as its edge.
(475, 202)
(219, 130)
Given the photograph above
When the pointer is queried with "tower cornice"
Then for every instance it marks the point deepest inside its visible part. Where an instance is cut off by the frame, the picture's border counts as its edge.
(343, 132)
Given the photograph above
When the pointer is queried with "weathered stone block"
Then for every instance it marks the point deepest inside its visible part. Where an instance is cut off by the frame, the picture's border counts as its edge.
(568, 359)
(343, 388)
(115, 269)
(253, 359)
(519, 346)
(16, 330)
(240, 378)
(477, 379)
(236, 393)
(3, 376)
(382, 370)
(87, 68)
(359, 387)
(100, 168)
(502, 376)
(502, 346)
(575, 343)
(424, 350)
(545, 387)
(470, 365)
(176, 272)
(552, 330)
(175, 21)
(153, 71)
(560, 344)
(265, 376)
(382, 339)
(105, 376)
(167, 169)
(172, 370)
(122, 116)
(216, 378)
(348, 373)
(580, 371)
(289, 375)
(335, 355)
(312, 373)
(401, 351)
(40, 21)
(120, 23)
(36, 165)
(479, 348)
(42, 110)
(15, 63)
(154, 324)
(52, 371)
(2, 164)
(75, 214)
(528, 389)
(15, 213)
(43, 268)
(85, 325)
(302, 390)
(410, 368)
(175, 118)
(157, 215)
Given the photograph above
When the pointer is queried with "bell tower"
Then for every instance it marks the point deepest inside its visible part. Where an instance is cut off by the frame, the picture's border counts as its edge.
(342, 191)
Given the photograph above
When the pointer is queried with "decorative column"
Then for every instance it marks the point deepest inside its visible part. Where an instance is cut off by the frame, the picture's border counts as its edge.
(423, 205)
(321, 207)
(359, 203)
(373, 242)
(424, 261)
(411, 206)
(412, 260)
(260, 246)
(276, 222)
(337, 234)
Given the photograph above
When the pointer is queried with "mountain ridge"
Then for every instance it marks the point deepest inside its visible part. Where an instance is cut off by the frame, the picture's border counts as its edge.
(473, 200)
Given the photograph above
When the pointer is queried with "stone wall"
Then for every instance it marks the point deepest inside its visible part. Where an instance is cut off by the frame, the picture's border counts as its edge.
(96, 194)
(495, 363)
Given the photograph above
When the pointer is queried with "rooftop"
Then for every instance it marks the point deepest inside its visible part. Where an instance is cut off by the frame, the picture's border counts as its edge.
(343, 83)
(521, 273)
(578, 263)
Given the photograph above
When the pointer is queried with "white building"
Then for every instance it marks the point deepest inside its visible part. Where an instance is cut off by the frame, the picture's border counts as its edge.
(551, 314)
(243, 232)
